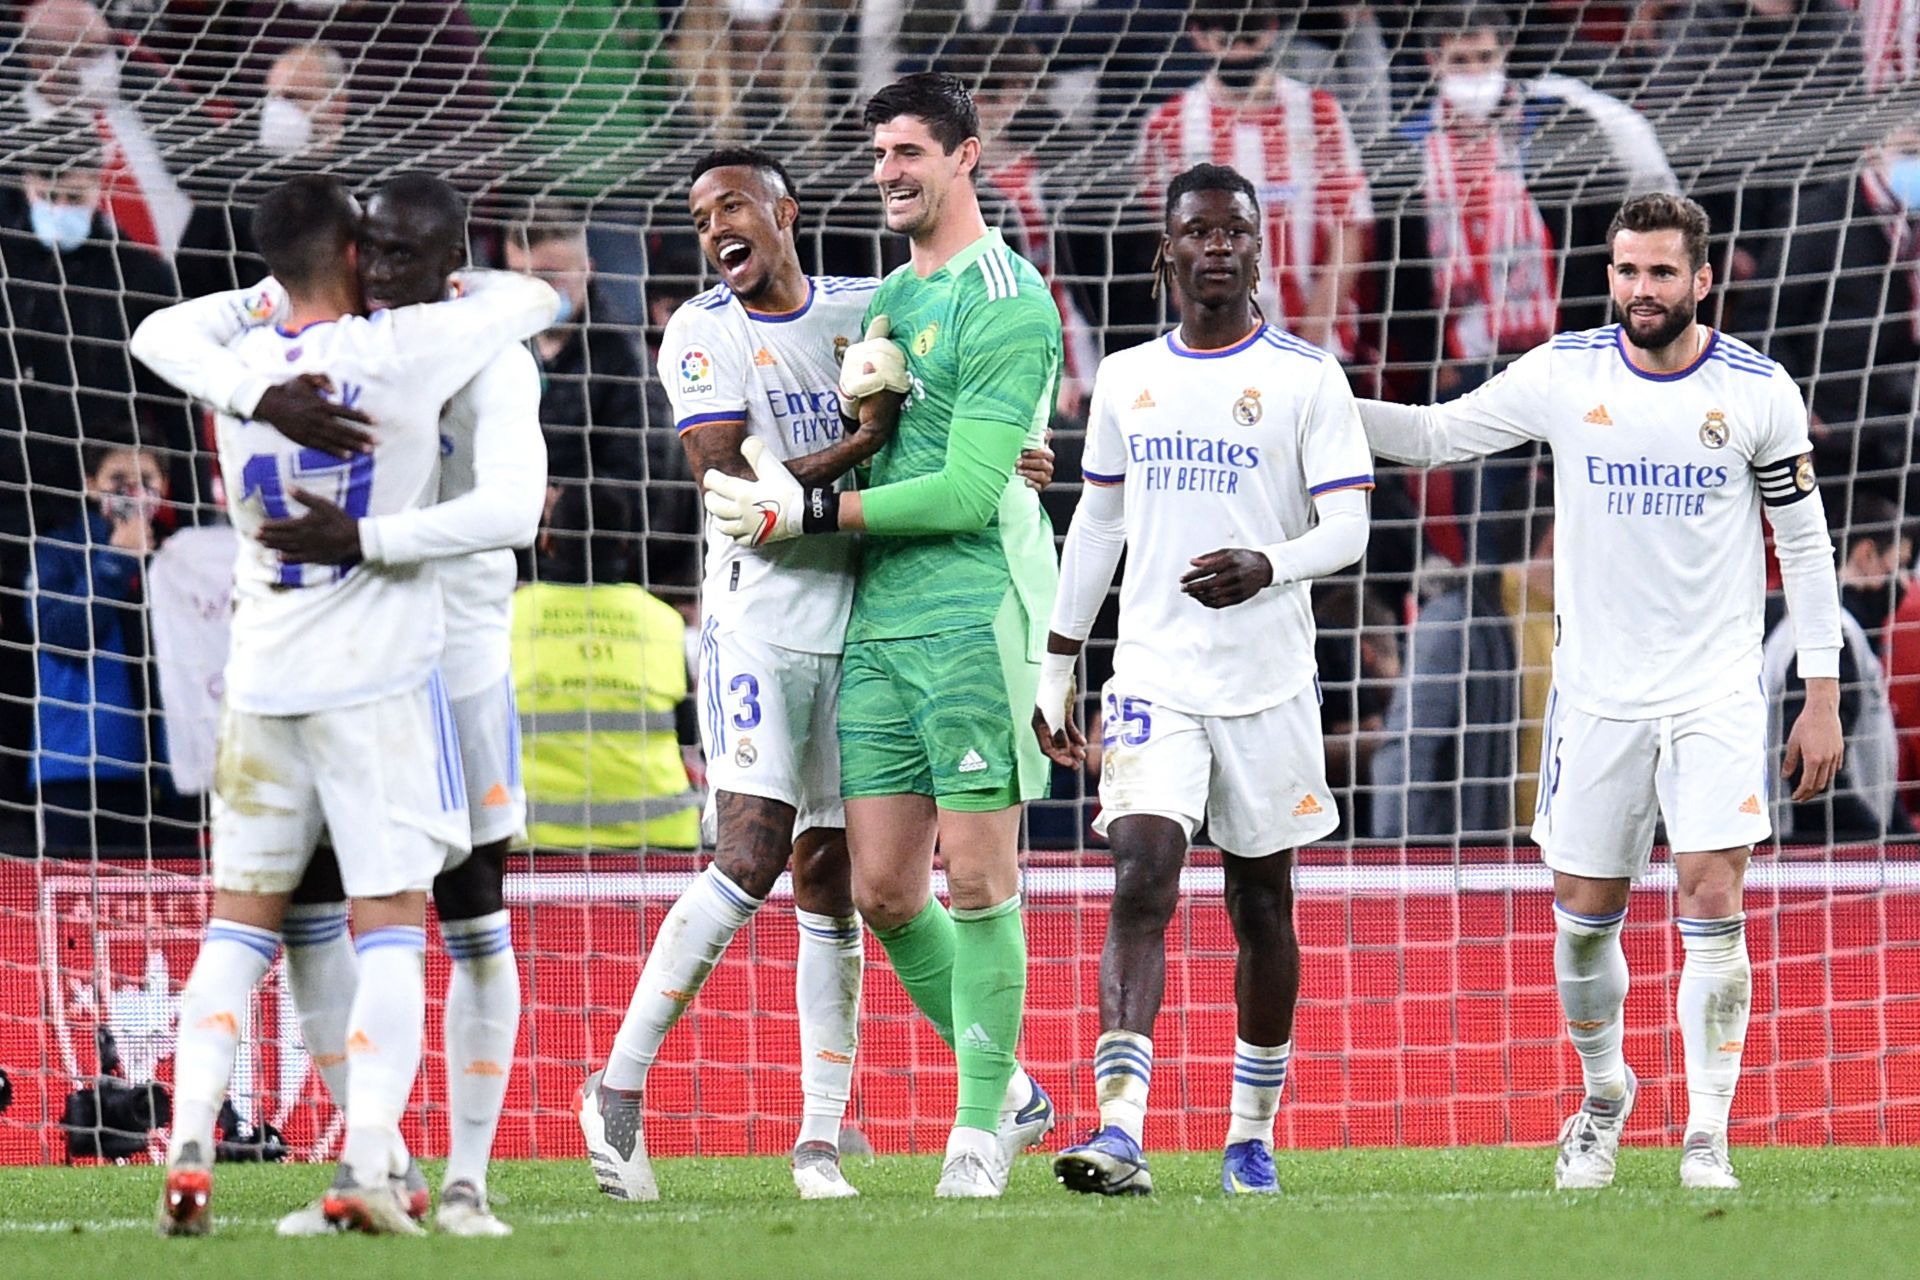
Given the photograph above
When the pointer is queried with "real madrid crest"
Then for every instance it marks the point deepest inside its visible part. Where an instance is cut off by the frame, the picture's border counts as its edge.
(1247, 410)
(1803, 473)
(744, 755)
(839, 349)
(923, 341)
(1714, 432)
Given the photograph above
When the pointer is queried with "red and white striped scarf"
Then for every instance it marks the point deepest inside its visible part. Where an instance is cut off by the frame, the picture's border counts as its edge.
(1890, 41)
(1493, 272)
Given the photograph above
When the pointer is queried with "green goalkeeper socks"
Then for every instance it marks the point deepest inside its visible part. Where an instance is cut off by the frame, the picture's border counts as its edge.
(921, 952)
(989, 996)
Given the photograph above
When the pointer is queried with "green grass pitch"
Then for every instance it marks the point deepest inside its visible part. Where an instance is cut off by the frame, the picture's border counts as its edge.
(1821, 1213)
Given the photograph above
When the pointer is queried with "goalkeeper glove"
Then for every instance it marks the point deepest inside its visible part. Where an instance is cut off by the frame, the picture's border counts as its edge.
(1054, 699)
(771, 507)
(875, 363)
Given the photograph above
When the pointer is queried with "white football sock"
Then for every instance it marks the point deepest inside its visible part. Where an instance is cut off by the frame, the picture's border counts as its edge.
(691, 941)
(1259, 1074)
(1591, 970)
(1716, 994)
(1019, 1089)
(213, 1012)
(322, 972)
(1122, 1075)
(384, 1031)
(483, 1018)
(826, 991)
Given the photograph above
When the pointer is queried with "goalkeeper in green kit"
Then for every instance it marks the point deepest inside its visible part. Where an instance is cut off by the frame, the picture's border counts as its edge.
(949, 619)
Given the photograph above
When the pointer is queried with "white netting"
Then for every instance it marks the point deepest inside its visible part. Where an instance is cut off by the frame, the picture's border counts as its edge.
(1427, 1012)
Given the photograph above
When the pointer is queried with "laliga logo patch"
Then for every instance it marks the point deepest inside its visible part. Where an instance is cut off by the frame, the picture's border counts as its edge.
(1247, 410)
(744, 755)
(259, 307)
(924, 340)
(696, 371)
(1715, 432)
(1803, 473)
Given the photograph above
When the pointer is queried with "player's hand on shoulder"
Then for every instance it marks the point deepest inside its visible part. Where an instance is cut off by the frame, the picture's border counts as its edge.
(299, 410)
(1817, 746)
(875, 363)
(1233, 575)
(322, 534)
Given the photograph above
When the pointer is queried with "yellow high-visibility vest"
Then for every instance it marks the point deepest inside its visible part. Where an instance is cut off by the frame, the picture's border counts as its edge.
(598, 671)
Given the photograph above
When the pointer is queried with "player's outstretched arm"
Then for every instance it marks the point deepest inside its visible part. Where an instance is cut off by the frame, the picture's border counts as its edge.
(1095, 541)
(1505, 412)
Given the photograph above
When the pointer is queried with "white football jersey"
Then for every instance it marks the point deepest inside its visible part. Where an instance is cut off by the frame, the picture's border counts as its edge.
(310, 637)
(780, 374)
(1659, 573)
(1219, 449)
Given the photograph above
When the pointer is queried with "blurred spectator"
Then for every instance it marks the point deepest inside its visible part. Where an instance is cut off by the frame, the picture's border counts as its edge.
(1016, 131)
(600, 673)
(82, 80)
(1682, 57)
(1890, 42)
(1359, 662)
(1837, 301)
(751, 67)
(1344, 49)
(94, 743)
(1466, 723)
(1862, 804)
(412, 65)
(302, 118)
(1293, 142)
(607, 422)
(588, 68)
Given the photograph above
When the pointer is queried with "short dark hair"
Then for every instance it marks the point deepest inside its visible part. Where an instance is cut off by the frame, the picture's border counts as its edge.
(546, 220)
(1443, 22)
(936, 99)
(102, 442)
(302, 228)
(1209, 177)
(764, 163)
(1664, 211)
(429, 194)
(1233, 17)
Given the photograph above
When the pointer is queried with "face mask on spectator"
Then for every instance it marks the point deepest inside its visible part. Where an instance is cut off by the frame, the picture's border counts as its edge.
(134, 502)
(100, 78)
(1903, 175)
(61, 227)
(285, 129)
(1475, 96)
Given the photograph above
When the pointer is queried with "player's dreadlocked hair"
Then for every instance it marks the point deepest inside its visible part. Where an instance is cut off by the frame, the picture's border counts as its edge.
(761, 162)
(1202, 177)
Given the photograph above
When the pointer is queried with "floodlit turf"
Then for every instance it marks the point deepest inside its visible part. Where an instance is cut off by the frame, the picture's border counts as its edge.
(1824, 1214)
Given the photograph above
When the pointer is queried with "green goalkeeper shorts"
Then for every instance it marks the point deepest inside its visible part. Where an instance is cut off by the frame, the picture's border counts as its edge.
(948, 716)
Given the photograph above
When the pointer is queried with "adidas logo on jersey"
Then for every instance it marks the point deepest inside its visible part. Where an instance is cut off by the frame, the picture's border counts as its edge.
(1144, 400)
(763, 358)
(976, 1037)
(971, 762)
(1307, 807)
(1598, 416)
(1751, 804)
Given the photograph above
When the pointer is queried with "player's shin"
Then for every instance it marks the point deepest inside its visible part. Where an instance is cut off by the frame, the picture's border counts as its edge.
(922, 954)
(989, 998)
(691, 941)
(384, 1033)
(1259, 893)
(827, 982)
(1716, 989)
(1590, 969)
(482, 1021)
(213, 1012)
(322, 972)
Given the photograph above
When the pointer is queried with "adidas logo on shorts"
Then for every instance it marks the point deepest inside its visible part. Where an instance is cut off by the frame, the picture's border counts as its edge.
(971, 762)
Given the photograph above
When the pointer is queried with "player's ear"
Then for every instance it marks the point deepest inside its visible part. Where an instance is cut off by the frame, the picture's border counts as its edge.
(786, 213)
(1703, 281)
(969, 156)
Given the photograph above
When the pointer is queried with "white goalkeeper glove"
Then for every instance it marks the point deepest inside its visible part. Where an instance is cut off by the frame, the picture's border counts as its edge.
(875, 363)
(1054, 700)
(771, 507)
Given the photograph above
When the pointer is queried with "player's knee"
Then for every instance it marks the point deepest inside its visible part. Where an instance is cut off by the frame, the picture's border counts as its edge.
(1260, 907)
(755, 840)
(1145, 893)
(822, 873)
(886, 906)
(475, 888)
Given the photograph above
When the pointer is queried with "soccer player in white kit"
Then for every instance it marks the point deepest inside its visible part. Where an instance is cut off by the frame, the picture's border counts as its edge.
(492, 492)
(754, 363)
(1668, 438)
(336, 715)
(1226, 459)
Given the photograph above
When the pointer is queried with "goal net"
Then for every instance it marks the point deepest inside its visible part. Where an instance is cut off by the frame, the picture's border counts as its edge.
(1426, 237)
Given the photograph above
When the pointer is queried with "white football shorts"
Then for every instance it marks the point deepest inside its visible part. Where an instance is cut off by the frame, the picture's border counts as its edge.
(383, 778)
(489, 730)
(769, 725)
(1604, 784)
(1259, 781)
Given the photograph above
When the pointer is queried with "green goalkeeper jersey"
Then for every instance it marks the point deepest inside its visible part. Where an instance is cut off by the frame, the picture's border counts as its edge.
(950, 529)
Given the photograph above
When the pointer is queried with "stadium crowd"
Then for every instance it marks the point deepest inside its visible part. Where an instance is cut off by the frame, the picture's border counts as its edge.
(1425, 169)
